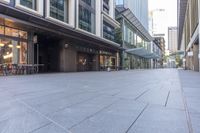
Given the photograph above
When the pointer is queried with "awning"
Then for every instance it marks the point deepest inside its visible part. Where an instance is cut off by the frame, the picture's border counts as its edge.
(135, 22)
(142, 52)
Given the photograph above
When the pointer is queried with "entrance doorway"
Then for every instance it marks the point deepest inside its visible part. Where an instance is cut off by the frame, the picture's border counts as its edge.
(86, 62)
(47, 54)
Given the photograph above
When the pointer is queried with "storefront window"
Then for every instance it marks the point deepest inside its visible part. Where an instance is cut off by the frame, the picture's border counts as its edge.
(29, 3)
(1, 30)
(23, 52)
(13, 50)
(11, 32)
(1, 21)
(23, 34)
(59, 10)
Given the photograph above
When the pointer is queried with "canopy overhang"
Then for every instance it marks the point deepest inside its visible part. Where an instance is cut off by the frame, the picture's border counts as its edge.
(142, 52)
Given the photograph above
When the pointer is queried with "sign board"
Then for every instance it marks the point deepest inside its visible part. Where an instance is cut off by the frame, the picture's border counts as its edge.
(35, 39)
(190, 54)
(66, 45)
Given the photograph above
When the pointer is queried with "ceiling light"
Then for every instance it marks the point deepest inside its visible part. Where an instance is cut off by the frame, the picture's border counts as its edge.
(1, 44)
(10, 45)
(18, 46)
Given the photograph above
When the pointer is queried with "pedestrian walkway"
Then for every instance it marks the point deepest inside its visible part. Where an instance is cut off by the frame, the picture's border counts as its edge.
(139, 101)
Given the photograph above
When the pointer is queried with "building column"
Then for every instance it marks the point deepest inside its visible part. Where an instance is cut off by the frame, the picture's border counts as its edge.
(195, 57)
(98, 18)
(30, 47)
(199, 31)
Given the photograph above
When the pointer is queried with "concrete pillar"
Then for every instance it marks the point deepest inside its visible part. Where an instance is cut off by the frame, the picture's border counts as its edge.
(112, 8)
(199, 30)
(30, 48)
(15, 52)
(98, 17)
(72, 12)
(195, 57)
(68, 58)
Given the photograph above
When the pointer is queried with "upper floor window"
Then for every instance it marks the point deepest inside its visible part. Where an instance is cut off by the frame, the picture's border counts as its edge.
(108, 31)
(59, 10)
(87, 15)
(106, 7)
(32, 4)
(87, 2)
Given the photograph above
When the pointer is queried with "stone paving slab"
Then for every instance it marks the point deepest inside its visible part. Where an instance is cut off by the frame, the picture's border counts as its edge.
(195, 120)
(17, 118)
(114, 119)
(78, 113)
(157, 119)
(175, 100)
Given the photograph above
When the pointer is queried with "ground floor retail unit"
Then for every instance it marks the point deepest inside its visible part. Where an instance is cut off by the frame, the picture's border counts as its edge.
(192, 54)
(28, 43)
(192, 57)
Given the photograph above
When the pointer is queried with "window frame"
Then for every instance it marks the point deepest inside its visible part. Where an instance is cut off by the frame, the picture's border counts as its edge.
(39, 7)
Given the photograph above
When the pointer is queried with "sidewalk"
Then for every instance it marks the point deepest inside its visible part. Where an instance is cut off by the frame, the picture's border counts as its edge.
(148, 101)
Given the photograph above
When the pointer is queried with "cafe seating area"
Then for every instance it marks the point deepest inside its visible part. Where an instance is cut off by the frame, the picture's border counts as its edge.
(19, 69)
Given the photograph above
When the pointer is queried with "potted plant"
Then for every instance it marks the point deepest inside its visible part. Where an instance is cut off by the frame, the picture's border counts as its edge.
(109, 63)
(127, 64)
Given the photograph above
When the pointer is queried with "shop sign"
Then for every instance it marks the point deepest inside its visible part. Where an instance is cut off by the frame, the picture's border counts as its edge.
(66, 46)
(190, 54)
(35, 39)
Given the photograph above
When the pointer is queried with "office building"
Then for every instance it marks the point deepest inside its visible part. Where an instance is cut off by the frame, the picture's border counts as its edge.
(61, 35)
(188, 32)
(135, 40)
(138, 7)
(172, 39)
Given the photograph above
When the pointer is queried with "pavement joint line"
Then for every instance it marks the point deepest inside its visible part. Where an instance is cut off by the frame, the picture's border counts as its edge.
(78, 103)
(40, 127)
(61, 98)
(90, 116)
(189, 122)
(141, 94)
(47, 118)
(167, 99)
(137, 118)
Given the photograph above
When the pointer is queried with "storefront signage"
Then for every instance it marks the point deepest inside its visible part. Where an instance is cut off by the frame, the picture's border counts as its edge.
(190, 54)
(66, 45)
(35, 39)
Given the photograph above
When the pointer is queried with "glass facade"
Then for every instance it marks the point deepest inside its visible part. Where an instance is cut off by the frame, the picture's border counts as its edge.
(108, 31)
(129, 35)
(13, 46)
(119, 2)
(87, 15)
(59, 10)
(32, 4)
(133, 39)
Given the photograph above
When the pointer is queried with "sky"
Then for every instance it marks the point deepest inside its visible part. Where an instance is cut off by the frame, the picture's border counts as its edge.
(170, 7)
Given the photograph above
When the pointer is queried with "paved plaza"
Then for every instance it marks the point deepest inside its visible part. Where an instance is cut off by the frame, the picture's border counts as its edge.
(139, 101)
